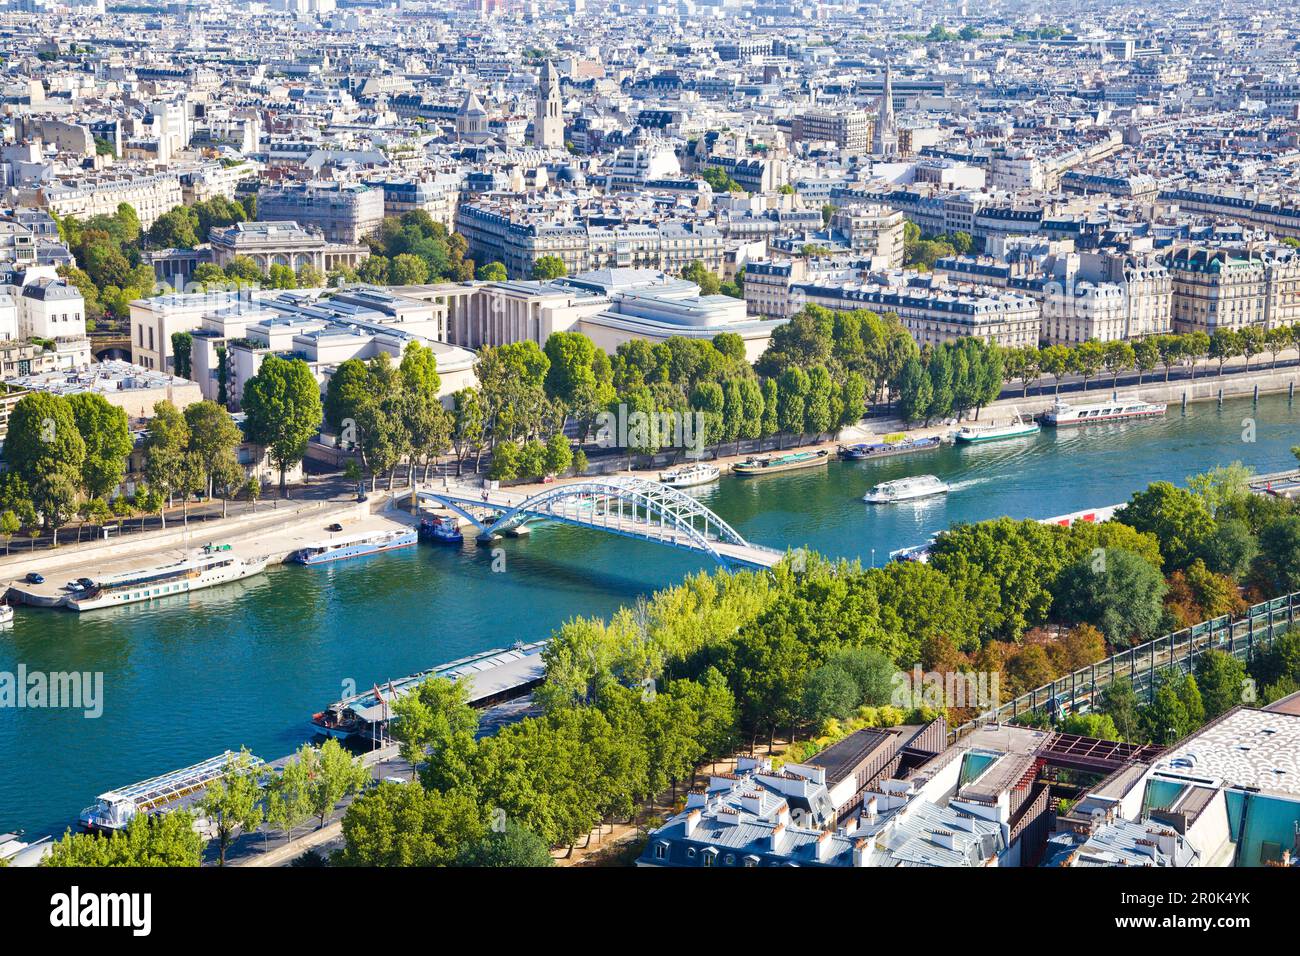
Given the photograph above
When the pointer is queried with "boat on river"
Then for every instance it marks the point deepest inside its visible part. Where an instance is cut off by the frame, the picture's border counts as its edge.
(1063, 414)
(443, 529)
(687, 476)
(773, 464)
(114, 809)
(976, 433)
(887, 449)
(216, 566)
(906, 489)
(354, 546)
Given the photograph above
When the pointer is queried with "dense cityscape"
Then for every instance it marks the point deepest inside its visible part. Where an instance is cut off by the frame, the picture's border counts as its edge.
(629, 434)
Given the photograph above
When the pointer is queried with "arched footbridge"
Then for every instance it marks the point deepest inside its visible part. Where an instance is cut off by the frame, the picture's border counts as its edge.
(631, 507)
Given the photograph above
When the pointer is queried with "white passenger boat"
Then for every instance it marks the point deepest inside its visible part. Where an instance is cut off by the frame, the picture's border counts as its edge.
(1062, 414)
(6, 613)
(976, 433)
(169, 791)
(905, 489)
(700, 473)
(355, 546)
(216, 566)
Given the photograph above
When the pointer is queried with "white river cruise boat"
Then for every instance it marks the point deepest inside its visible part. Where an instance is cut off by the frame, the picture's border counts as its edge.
(216, 566)
(905, 489)
(1063, 414)
(700, 473)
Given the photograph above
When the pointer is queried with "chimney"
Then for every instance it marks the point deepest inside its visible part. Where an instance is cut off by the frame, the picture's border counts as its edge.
(871, 809)
(752, 802)
(778, 837)
(824, 845)
(692, 821)
(861, 851)
(945, 839)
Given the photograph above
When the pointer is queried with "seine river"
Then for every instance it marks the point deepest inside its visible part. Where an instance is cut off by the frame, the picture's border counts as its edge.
(249, 663)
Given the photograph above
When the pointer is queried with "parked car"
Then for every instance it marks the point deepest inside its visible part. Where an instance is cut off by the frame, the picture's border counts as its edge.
(34, 578)
(335, 527)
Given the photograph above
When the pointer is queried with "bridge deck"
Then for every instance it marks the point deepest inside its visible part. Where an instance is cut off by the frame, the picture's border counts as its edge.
(634, 525)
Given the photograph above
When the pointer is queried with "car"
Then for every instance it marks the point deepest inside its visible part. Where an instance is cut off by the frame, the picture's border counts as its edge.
(86, 582)
(34, 578)
(335, 527)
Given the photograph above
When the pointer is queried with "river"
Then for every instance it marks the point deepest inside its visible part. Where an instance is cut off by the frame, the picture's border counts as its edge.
(249, 663)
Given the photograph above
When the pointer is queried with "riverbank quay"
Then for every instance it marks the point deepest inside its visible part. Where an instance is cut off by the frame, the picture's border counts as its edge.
(1208, 386)
(275, 533)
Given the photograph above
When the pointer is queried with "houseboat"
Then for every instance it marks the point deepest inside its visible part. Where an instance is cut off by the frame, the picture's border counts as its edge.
(887, 449)
(772, 464)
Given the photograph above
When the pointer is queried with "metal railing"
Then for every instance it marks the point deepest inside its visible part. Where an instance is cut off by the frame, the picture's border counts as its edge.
(1241, 637)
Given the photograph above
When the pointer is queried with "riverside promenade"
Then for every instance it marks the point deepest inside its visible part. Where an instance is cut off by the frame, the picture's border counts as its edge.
(275, 532)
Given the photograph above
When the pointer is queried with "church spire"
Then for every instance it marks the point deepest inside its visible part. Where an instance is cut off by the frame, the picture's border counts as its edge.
(885, 135)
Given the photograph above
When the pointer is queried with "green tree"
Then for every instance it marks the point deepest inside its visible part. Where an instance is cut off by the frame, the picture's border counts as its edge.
(492, 272)
(106, 432)
(1119, 701)
(332, 774)
(213, 437)
(549, 267)
(1179, 519)
(435, 726)
(1277, 567)
(288, 800)
(1221, 679)
(406, 825)
(167, 839)
(166, 442)
(233, 801)
(283, 408)
(511, 846)
(1117, 591)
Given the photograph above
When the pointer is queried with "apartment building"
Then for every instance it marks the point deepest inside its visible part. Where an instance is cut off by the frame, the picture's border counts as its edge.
(850, 130)
(342, 212)
(149, 194)
(1222, 288)
(934, 312)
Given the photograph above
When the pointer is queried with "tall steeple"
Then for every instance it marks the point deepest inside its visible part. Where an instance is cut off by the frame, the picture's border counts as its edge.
(548, 121)
(884, 141)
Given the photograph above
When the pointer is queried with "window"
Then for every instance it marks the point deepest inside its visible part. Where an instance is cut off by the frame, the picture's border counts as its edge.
(661, 851)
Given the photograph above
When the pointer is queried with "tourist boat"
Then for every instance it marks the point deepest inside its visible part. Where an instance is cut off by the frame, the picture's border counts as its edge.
(905, 489)
(771, 464)
(113, 810)
(887, 449)
(6, 613)
(975, 433)
(1063, 413)
(441, 528)
(354, 546)
(216, 566)
(687, 476)
(495, 675)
